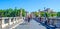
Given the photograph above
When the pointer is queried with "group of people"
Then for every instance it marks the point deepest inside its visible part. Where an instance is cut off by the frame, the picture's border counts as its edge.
(28, 18)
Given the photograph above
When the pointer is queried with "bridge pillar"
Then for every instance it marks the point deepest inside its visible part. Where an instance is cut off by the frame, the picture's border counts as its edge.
(14, 21)
(3, 23)
(0, 23)
(17, 20)
(9, 21)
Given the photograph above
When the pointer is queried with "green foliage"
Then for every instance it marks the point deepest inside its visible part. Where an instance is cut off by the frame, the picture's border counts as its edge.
(42, 14)
(58, 14)
(47, 14)
(12, 12)
(23, 12)
(36, 14)
(53, 14)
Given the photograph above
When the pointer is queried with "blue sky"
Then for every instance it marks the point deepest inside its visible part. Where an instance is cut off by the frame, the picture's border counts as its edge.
(31, 5)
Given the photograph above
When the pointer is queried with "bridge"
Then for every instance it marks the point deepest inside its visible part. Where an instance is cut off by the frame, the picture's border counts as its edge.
(19, 23)
(10, 22)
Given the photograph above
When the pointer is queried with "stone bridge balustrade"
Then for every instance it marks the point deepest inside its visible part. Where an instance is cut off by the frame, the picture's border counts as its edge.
(8, 21)
(4, 23)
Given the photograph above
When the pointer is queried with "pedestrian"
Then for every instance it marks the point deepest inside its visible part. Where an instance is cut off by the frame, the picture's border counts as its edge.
(28, 18)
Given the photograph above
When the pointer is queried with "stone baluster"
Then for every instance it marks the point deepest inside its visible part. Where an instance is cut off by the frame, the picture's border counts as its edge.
(9, 21)
(2, 22)
(14, 20)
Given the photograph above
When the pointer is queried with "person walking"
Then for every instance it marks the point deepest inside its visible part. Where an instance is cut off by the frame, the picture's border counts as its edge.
(28, 18)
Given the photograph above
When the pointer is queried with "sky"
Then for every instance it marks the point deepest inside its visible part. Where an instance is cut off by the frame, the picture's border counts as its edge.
(31, 5)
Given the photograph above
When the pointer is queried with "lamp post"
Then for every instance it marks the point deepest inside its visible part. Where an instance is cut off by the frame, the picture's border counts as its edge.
(45, 15)
(39, 12)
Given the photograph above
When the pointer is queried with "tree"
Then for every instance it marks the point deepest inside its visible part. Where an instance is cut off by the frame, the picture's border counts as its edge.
(42, 14)
(12, 13)
(36, 14)
(9, 11)
(23, 12)
(1, 13)
(53, 14)
(58, 14)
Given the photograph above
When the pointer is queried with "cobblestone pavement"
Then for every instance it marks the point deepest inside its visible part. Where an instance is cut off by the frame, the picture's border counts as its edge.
(31, 25)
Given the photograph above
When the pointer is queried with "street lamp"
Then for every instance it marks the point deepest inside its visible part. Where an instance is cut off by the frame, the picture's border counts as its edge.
(39, 12)
(45, 15)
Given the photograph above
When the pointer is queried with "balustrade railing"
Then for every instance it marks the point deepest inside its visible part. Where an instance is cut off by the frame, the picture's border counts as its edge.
(9, 21)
